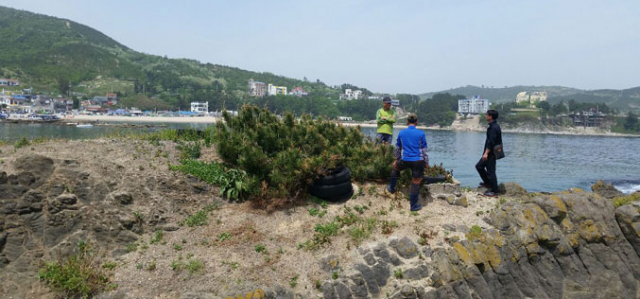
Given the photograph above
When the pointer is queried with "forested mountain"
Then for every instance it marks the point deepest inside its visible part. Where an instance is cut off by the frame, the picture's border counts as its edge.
(52, 54)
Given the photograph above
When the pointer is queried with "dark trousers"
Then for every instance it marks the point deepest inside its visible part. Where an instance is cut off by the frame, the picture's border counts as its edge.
(487, 171)
(417, 173)
(383, 138)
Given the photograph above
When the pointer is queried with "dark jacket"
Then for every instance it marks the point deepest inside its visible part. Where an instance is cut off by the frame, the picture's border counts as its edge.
(494, 136)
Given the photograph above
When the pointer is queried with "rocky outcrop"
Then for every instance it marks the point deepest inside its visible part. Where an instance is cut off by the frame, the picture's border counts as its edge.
(568, 244)
(47, 206)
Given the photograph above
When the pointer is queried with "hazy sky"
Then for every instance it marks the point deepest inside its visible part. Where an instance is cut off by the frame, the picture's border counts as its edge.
(385, 46)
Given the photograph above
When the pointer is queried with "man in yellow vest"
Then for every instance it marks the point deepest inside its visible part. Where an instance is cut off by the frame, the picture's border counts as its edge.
(385, 117)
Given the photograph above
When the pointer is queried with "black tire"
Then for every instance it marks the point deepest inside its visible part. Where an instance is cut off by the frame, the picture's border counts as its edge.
(330, 191)
(335, 177)
(341, 198)
(434, 180)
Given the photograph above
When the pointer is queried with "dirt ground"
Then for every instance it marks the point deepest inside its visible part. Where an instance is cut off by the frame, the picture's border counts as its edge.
(240, 248)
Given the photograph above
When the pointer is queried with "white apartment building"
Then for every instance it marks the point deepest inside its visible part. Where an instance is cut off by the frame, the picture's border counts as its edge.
(200, 107)
(475, 105)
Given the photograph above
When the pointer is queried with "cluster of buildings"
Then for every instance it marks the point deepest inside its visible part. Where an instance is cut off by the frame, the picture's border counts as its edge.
(99, 104)
(474, 105)
(9, 82)
(261, 89)
(531, 98)
(29, 103)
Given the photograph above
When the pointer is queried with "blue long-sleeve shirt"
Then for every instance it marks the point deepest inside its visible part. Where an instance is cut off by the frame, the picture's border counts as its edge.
(411, 145)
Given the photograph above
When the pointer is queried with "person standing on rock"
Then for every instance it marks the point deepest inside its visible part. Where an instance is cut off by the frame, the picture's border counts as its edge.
(487, 165)
(411, 152)
(385, 117)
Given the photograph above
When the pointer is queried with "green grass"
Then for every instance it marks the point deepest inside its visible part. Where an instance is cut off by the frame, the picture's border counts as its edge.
(260, 248)
(224, 236)
(194, 266)
(79, 275)
(21, 143)
(157, 237)
(131, 247)
(397, 273)
(198, 219)
(293, 282)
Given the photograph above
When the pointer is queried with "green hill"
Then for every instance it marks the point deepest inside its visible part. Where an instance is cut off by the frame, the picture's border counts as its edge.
(627, 99)
(48, 53)
(506, 94)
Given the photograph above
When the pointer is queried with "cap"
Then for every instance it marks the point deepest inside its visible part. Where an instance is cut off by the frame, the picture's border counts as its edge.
(386, 100)
(412, 118)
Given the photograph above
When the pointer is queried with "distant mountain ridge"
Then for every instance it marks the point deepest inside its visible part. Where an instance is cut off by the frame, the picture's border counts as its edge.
(626, 99)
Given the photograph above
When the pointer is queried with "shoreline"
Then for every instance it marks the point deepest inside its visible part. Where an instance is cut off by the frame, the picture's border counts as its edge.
(213, 120)
(510, 131)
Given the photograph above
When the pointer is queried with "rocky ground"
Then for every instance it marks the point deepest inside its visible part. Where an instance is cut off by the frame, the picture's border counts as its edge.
(172, 236)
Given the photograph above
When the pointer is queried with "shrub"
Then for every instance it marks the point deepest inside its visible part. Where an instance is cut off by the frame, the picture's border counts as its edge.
(21, 142)
(189, 150)
(79, 275)
(285, 154)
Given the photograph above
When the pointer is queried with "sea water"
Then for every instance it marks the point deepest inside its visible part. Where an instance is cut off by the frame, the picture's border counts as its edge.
(538, 162)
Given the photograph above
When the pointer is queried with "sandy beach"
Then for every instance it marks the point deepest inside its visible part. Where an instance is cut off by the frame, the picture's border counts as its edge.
(150, 119)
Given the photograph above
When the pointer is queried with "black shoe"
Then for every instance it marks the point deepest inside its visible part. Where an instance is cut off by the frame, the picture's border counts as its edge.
(491, 194)
(417, 208)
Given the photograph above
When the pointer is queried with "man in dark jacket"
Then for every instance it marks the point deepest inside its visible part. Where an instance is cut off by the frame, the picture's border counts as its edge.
(487, 165)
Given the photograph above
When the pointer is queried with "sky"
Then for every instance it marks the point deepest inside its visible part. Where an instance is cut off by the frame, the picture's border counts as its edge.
(384, 46)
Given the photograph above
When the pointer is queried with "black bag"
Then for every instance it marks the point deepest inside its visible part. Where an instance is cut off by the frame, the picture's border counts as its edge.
(498, 151)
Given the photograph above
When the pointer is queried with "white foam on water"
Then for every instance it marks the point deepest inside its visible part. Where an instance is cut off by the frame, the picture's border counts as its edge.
(628, 187)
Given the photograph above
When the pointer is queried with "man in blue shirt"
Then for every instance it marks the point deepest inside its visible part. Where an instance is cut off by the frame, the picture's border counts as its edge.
(411, 152)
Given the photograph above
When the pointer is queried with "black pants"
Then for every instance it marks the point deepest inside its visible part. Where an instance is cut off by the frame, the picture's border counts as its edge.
(417, 173)
(487, 171)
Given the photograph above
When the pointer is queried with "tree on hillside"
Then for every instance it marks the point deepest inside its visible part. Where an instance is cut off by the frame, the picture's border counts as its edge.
(76, 102)
(631, 122)
(544, 106)
(558, 108)
(409, 101)
(63, 86)
(441, 109)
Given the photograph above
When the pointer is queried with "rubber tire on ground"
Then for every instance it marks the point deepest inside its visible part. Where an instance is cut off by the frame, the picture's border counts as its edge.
(343, 197)
(330, 191)
(434, 180)
(338, 176)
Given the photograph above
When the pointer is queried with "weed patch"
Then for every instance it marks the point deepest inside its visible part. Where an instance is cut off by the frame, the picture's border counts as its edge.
(233, 183)
(79, 275)
(625, 200)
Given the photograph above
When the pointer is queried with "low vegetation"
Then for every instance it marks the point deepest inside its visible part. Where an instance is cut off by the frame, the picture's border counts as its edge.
(80, 275)
(625, 200)
(233, 183)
